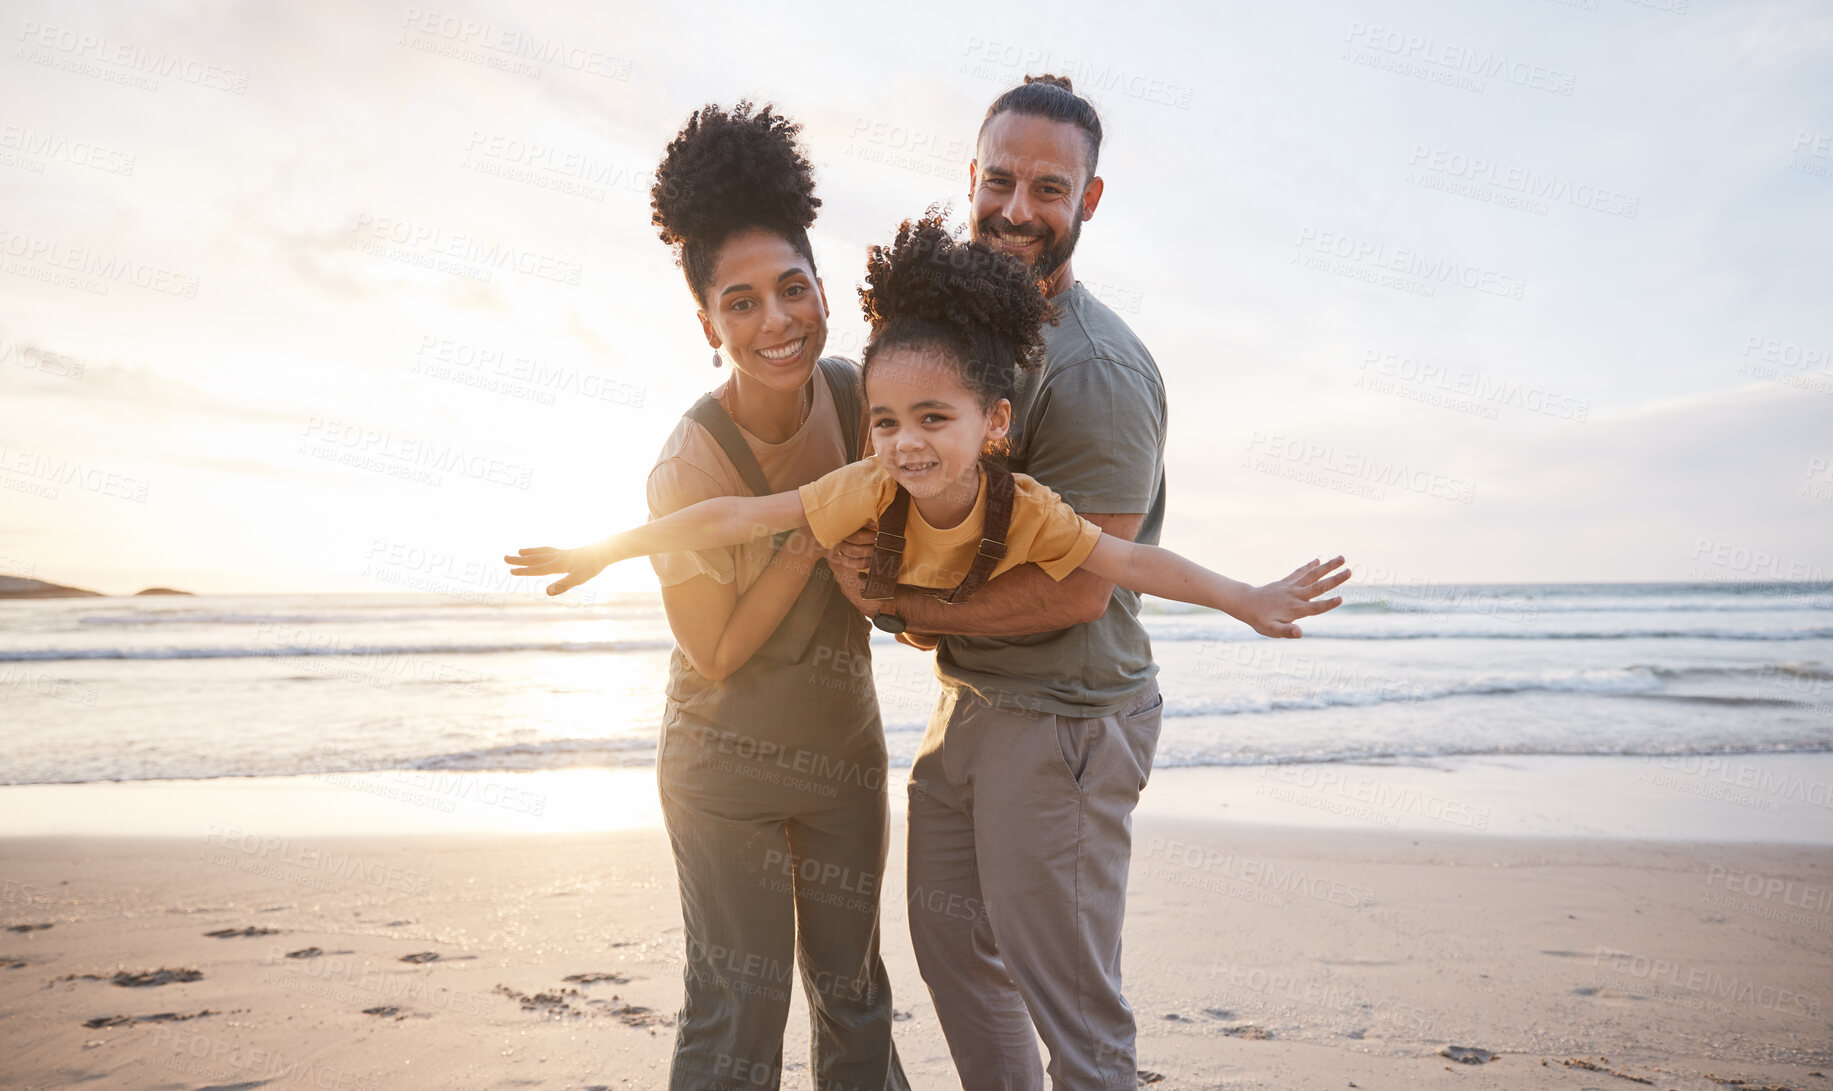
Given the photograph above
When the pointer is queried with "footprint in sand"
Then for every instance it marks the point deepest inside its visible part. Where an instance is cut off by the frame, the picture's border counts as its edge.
(1467, 1054)
(11, 963)
(1609, 996)
(144, 979)
(129, 1020)
(632, 1016)
(554, 1003)
(391, 1011)
(27, 927)
(150, 978)
(305, 952)
(560, 1003)
(1590, 1066)
(230, 933)
(595, 978)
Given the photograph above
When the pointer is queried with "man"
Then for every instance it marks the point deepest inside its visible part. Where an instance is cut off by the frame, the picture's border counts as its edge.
(1022, 793)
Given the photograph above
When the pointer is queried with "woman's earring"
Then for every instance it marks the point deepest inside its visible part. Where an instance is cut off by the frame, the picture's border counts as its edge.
(717, 360)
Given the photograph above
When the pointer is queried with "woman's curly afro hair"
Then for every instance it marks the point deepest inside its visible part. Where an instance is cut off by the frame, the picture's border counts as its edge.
(979, 307)
(727, 172)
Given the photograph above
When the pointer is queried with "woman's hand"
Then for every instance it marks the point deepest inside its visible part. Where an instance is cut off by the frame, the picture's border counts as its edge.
(579, 565)
(1272, 609)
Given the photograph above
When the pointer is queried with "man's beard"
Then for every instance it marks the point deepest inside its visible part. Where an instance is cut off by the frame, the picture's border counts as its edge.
(1055, 253)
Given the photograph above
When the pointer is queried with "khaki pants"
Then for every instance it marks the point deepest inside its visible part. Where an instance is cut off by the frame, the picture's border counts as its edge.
(1020, 838)
(779, 858)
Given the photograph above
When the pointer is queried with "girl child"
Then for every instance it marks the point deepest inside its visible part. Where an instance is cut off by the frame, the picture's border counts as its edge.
(954, 325)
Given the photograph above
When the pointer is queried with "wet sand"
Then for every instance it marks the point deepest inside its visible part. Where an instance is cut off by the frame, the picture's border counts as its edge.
(1336, 955)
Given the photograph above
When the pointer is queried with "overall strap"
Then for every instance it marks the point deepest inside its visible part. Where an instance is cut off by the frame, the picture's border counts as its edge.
(843, 381)
(713, 417)
(888, 551)
(1000, 494)
(790, 641)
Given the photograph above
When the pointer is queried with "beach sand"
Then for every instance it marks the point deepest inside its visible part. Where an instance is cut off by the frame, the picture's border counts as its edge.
(233, 947)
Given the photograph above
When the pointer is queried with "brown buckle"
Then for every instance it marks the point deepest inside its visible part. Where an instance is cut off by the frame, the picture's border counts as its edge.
(888, 540)
(990, 548)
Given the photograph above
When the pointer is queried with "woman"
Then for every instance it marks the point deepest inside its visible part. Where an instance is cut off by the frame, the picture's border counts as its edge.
(771, 764)
(772, 759)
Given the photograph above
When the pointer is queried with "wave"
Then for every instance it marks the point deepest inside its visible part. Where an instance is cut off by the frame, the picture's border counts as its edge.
(551, 754)
(1171, 758)
(1815, 671)
(1351, 689)
(45, 655)
(533, 611)
(1385, 692)
(638, 753)
(1726, 701)
(1504, 606)
(1232, 635)
(1318, 631)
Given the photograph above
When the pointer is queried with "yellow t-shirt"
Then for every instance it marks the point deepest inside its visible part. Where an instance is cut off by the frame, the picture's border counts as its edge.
(1045, 531)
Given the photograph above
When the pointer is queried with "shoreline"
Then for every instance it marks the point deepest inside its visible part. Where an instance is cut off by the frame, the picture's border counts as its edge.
(1726, 798)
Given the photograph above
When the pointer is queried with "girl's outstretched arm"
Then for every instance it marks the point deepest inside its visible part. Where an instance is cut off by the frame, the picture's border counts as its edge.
(721, 521)
(1270, 610)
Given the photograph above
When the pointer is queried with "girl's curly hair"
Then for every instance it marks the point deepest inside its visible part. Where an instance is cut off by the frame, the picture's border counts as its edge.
(727, 172)
(977, 306)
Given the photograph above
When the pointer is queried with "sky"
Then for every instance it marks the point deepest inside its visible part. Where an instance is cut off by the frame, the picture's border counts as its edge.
(360, 297)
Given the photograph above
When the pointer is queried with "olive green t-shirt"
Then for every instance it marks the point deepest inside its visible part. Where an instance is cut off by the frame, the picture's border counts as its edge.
(1090, 425)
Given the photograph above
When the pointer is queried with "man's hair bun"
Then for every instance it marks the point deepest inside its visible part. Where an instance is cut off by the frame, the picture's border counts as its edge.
(1052, 98)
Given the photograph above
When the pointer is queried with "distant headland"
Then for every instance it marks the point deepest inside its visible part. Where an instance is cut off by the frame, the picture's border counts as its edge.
(18, 587)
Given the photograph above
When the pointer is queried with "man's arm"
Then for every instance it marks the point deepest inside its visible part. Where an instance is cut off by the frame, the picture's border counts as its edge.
(1022, 600)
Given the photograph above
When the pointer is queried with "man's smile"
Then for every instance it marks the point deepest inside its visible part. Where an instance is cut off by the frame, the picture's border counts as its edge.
(1014, 242)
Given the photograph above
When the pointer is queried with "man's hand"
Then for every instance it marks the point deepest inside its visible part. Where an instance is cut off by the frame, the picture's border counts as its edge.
(850, 558)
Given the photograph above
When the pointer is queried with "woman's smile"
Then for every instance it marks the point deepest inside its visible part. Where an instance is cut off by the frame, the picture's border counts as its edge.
(785, 352)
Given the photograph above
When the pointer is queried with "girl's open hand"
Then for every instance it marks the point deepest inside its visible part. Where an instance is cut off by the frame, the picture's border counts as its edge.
(579, 565)
(1272, 609)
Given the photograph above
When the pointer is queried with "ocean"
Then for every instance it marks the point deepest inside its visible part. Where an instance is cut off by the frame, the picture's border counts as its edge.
(175, 687)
